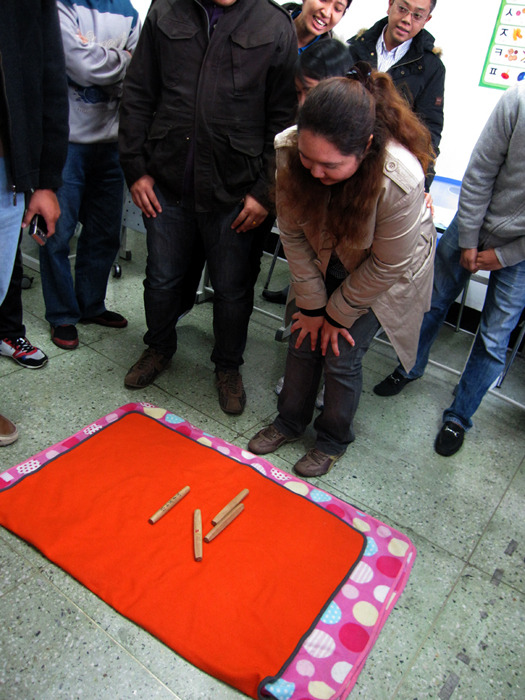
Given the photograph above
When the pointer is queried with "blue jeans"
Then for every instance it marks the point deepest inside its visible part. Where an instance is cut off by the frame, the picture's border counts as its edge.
(10, 222)
(176, 239)
(92, 193)
(501, 311)
(343, 383)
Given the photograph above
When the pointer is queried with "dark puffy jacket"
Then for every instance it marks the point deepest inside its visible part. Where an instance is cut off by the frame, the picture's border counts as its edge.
(231, 95)
(33, 93)
(419, 76)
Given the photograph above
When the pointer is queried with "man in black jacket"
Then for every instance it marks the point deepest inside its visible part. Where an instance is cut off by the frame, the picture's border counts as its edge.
(209, 86)
(33, 147)
(400, 46)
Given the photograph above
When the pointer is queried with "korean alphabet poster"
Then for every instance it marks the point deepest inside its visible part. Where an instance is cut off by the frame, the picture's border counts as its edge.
(505, 61)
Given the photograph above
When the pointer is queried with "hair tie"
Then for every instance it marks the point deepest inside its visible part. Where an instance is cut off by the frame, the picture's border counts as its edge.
(362, 72)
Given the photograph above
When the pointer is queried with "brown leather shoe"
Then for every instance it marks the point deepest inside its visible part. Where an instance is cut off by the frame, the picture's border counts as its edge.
(8, 431)
(150, 364)
(268, 440)
(232, 397)
(315, 463)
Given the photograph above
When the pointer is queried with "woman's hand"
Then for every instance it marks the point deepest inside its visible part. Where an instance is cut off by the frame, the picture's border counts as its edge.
(306, 325)
(331, 334)
(429, 203)
(315, 325)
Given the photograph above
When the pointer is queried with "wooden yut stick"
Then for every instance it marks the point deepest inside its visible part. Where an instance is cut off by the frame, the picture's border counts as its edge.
(169, 505)
(197, 535)
(231, 505)
(224, 522)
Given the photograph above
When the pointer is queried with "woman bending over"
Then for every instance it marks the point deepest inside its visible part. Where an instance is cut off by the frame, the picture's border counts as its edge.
(360, 243)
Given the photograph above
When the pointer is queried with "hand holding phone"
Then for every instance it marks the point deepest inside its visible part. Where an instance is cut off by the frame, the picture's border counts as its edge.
(38, 229)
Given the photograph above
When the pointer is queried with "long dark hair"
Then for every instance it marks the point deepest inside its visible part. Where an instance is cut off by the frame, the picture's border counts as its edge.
(346, 112)
(324, 59)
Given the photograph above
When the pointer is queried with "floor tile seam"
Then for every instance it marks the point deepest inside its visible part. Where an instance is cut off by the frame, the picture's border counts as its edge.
(431, 627)
(84, 614)
(10, 590)
(499, 582)
(33, 572)
(494, 512)
(11, 367)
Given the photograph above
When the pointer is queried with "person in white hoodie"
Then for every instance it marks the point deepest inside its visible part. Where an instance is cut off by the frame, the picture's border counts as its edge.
(99, 37)
(487, 233)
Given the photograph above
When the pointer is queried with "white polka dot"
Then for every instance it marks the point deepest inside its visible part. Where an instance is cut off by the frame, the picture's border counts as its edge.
(384, 531)
(340, 671)
(320, 645)
(350, 591)
(363, 573)
(259, 467)
(380, 593)
(205, 441)
(305, 668)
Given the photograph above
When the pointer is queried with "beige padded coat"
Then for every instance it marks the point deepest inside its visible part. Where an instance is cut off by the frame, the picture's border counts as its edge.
(395, 276)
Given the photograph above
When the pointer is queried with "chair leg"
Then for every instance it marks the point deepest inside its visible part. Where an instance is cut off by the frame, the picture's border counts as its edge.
(272, 264)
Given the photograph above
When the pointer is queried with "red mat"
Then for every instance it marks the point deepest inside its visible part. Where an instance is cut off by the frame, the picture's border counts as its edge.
(263, 584)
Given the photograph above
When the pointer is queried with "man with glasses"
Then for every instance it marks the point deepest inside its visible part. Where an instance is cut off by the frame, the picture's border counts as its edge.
(400, 46)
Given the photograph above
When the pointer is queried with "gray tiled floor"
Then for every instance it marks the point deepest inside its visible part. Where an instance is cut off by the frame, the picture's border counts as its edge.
(458, 630)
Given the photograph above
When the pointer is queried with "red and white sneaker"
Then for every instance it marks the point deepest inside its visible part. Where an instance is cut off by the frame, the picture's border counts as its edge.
(21, 351)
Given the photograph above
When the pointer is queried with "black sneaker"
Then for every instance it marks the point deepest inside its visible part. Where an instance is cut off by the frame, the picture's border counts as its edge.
(65, 336)
(449, 439)
(392, 385)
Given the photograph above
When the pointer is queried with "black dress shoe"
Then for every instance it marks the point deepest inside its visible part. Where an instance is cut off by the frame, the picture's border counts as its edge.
(111, 319)
(449, 439)
(279, 297)
(392, 385)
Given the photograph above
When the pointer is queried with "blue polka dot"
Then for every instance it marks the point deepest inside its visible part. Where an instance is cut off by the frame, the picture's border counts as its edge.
(521, 76)
(320, 496)
(332, 615)
(282, 690)
(172, 418)
(371, 547)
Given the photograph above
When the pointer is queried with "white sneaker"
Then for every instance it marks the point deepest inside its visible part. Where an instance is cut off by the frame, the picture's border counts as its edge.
(22, 352)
